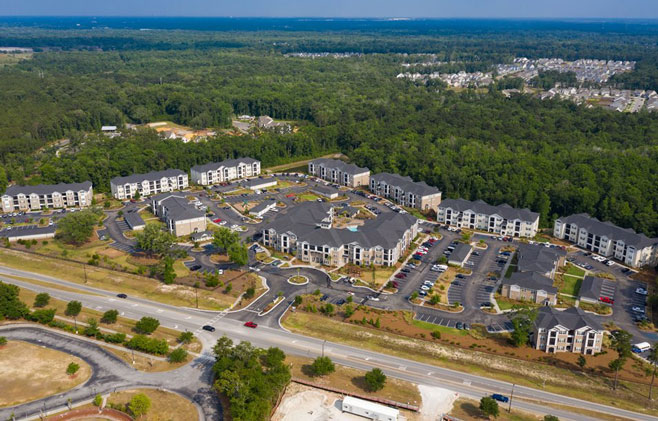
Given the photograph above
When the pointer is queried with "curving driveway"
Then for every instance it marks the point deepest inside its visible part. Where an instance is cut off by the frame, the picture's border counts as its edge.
(193, 381)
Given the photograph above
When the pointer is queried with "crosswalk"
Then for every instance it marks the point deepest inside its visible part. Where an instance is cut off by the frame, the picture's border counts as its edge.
(212, 321)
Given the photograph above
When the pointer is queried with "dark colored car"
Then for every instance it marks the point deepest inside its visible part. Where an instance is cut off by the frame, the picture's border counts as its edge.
(195, 268)
(400, 275)
(208, 328)
(324, 297)
(500, 398)
(405, 270)
(459, 325)
(340, 302)
(122, 295)
(251, 325)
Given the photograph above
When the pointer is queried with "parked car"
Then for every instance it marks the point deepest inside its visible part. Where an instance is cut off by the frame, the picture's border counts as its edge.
(607, 300)
(638, 309)
(425, 288)
(641, 291)
(251, 325)
(400, 275)
(324, 297)
(459, 326)
(195, 268)
(208, 328)
(500, 398)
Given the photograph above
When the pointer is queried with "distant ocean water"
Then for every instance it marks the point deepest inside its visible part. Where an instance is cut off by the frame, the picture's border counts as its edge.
(330, 24)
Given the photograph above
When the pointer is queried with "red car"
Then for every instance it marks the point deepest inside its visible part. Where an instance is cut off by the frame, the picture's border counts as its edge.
(217, 221)
(400, 275)
(607, 300)
(290, 195)
(251, 325)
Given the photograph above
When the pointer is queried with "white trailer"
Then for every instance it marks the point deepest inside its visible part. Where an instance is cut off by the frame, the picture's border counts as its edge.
(641, 347)
(370, 410)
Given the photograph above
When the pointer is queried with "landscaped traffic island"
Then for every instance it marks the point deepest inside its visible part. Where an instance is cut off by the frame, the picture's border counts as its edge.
(298, 280)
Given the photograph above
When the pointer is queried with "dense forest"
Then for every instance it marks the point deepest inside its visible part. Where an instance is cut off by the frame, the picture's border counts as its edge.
(552, 156)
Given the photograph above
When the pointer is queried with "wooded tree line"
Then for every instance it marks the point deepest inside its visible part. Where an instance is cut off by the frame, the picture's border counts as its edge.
(552, 156)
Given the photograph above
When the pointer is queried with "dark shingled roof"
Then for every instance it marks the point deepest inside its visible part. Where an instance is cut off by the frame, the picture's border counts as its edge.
(532, 281)
(610, 230)
(460, 253)
(262, 206)
(538, 258)
(479, 206)
(179, 208)
(47, 188)
(572, 318)
(302, 220)
(325, 190)
(339, 165)
(212, 166)
(255, 182)
(133, 219)
(419, 188)
(591, 288)
(151, 176)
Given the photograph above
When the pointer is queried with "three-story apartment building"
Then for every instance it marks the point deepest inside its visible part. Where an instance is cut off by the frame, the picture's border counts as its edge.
(571, 330)
(148, 184)
(44, 196)
(221, 172)
(478, 215)
(405, 192)
(307, 232)
(339, 172)
(604, 238)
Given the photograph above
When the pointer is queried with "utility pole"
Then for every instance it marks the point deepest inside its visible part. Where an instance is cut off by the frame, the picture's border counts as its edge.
(85, 269)
(323, 342)
(510, 399)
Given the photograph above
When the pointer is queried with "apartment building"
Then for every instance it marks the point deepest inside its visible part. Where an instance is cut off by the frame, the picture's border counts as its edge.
(339, 172)
(478, 215)
(535, 274)
(405, 192)
(46, 196)
(221, 172)
(571, 330)
(307, 232)
(604, 238)
(180, 217)
(148, 184)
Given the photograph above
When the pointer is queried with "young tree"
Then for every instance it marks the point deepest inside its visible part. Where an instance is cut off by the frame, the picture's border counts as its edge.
(155, 240)
(139, 405)
(3, 341)
(177, 355)
(653, 359)
(322, 366)
(620, 341)
(168, 272)
(98, 400)
(489, 407)
(92, 327)
(522, 323)
(147, 325)
(582, 361)
(73, 309)
(224, 238)
(551, 418)
(185, 337)
(72, 369)
(41, 300)
(110, 317)
(375, 379)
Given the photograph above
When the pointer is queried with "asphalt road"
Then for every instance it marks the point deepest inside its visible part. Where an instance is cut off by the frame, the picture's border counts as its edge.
(265, 336)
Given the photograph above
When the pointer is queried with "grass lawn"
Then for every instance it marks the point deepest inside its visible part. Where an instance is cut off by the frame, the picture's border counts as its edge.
(32, 372)
(142, 363)
(467, 409)
(574, 270)
(164, 405)
(352, 380)
(307, 197)
(139, 286)
(571, 285)
(442, 329)
(442, 353)
(382, 274)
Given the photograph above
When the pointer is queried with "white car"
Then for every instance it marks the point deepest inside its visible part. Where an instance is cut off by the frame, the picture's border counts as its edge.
(425, 288)
(609, 263)
(222, 223)
(371, 298)
(638, 309)
(641, 291)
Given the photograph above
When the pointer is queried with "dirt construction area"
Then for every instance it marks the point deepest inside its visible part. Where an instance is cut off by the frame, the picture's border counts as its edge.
(43, 369)
(310, 404)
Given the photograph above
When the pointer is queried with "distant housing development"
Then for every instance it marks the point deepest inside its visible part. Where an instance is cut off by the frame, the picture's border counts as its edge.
(571, 330)
(405, 192)
(478, 215)
(180, 217)
(220, 172)
(148, 184)
(607, 239)
(43, 196)
(307, 231)
(339, 172)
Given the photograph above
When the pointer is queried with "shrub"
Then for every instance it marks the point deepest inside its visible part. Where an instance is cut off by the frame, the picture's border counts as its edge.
(177, 355)
(110, 317)
(115, 338)
(98, 400)
(43, 316)
(139, 405)
(147, 325)
(375, 379)
(322, 366)
(436, 334)
(146, 344)
(489, 406)
(92, 327)
(41, 300)
(250, 292)
(186, 337)
(3, 341)
(72, 369)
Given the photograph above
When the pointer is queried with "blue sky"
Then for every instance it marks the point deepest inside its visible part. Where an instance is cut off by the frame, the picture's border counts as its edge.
(646, 9)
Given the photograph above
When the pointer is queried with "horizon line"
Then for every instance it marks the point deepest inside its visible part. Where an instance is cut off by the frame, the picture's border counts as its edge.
(391, 18)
